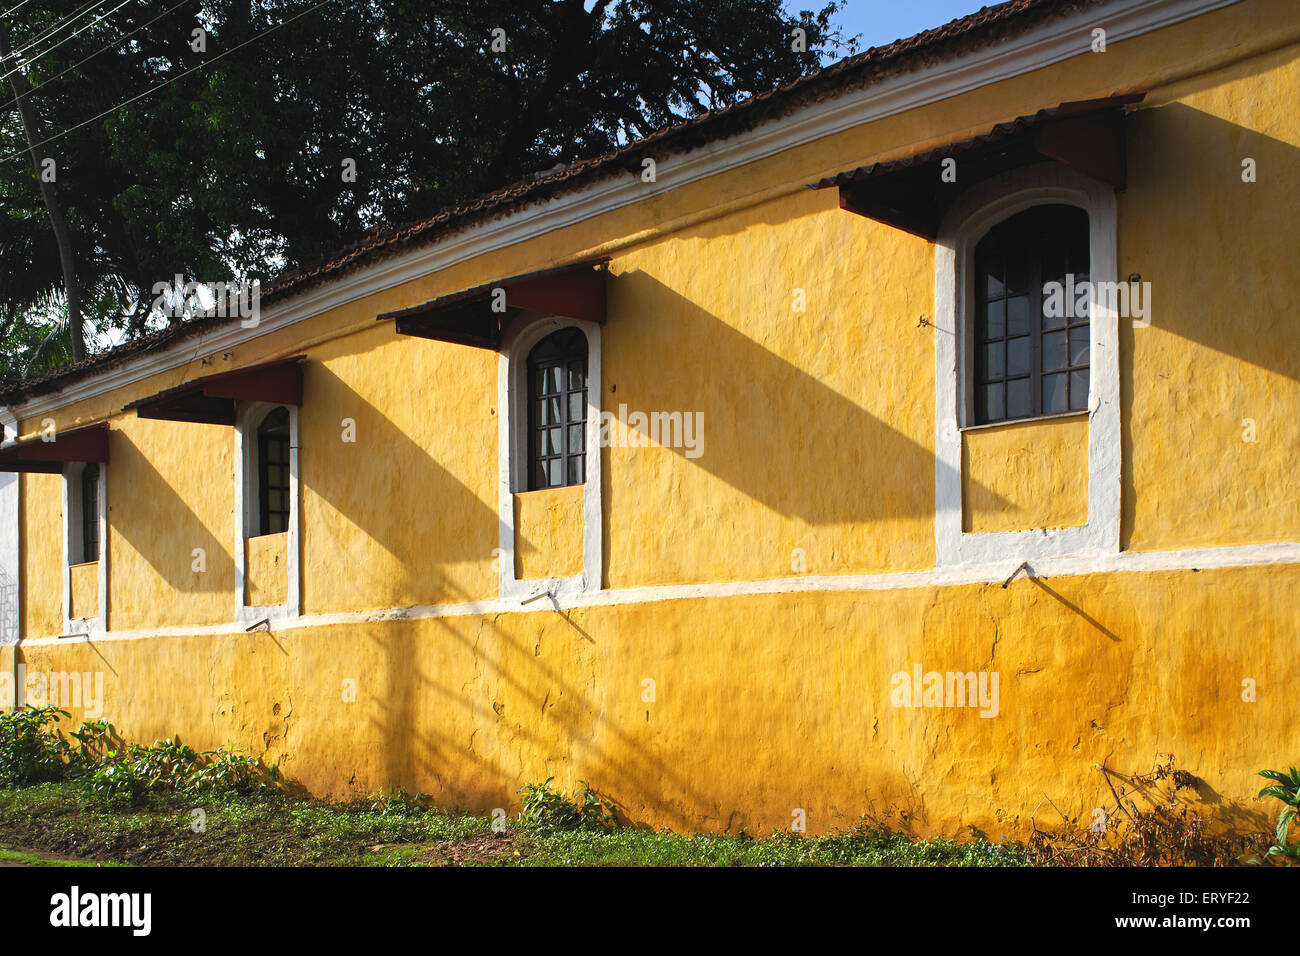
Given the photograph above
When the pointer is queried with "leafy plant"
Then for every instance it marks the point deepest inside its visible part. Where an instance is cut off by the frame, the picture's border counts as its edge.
(169, 766)
(1286, 789)
(95, 739)
(228, 772)
(29, 751)
(130, 773)
(400, 802)
(548, 810)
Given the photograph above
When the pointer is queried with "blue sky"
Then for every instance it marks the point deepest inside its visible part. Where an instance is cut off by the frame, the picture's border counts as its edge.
(883, 21)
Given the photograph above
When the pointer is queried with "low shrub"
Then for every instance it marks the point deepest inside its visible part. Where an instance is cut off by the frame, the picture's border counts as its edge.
(548, 810)
(1286, 789)
(170, 767)
(32, 749)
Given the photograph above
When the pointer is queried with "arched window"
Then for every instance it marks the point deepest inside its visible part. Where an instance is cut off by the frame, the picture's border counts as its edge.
(557, 410)
(273, 472)
(90, 512)
(1031, 347)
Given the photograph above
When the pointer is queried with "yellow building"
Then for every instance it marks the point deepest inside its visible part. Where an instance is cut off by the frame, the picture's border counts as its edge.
(910, 441)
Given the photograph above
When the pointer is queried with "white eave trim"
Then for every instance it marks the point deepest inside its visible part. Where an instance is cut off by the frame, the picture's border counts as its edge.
(1057, 40)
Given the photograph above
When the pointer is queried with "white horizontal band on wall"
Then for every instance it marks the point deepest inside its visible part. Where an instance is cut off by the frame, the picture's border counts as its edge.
(1198, 559)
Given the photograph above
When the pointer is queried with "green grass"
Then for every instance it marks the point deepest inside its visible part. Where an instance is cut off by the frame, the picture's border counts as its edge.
(64, 819)
(36, 859)
(859, 847)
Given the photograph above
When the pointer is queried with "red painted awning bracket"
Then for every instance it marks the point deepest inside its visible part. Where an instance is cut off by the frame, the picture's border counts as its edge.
(211, 400)
(478, 317)
(47, 454)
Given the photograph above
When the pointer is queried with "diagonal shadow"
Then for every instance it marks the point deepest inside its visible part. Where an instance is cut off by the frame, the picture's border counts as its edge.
(160, 526)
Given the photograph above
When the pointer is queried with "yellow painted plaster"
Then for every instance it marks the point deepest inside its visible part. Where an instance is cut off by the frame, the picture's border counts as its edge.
(85, 589)
(762, 704)
(266, 571)
(548, 533)
(1025, 475)
(817, 455)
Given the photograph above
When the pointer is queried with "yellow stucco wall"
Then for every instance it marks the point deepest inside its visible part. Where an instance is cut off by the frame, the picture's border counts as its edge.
(788, 398)
(266, 569)
(84, 581)
(406, 512)
(171, 493)
(548, 533)
(1220, 355)
(817, 456)
(744, 728)
(1025, 475)
(41, 547)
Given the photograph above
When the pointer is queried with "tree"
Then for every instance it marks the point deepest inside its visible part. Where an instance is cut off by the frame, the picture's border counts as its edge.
(49, 195)
(235, 169)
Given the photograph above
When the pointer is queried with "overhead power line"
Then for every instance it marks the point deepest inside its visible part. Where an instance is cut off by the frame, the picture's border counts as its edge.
(54, 29)
(32, 59)
(15, 9)
(167, 82)
(108, 46)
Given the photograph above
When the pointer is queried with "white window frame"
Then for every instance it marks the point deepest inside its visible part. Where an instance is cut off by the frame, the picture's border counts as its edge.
(512, 456)
(72, 544)
(248, 416)
(970, 218)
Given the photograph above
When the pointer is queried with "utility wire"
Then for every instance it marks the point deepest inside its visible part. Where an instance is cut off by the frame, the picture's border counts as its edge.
(154, 89)
(15, 9)
(28, 61)
(125, 36)
(54, 29)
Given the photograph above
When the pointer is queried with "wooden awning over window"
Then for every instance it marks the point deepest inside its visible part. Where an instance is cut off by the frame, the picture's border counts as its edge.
(911, 194)
(89, 443)
(479, 316)
(211, 400)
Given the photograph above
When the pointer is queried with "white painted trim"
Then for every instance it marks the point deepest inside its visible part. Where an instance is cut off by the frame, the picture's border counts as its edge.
(72, 507)
(247, 417)
(512, 457)
(1052, 42)
(1125, 562)
(12, 518)
(977, 211)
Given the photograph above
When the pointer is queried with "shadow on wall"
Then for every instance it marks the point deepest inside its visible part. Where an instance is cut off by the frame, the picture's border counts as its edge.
(1233, 287)
(772, 430)
(147, 513)
(392, 489)
(1220, 255)
(461, 728)
(517, 718)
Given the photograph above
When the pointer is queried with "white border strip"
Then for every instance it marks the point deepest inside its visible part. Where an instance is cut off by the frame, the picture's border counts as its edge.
(72, 517)
(247, 418)
(1196, 559)
(512, 458)
(983, 207)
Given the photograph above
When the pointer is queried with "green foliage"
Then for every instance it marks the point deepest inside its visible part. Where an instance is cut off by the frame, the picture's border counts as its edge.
(223, 772)
(135, 772)
(32, 749)
(1286, 789)
(95, 739)
(866, 844)
(400, 803)
(548, 811)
